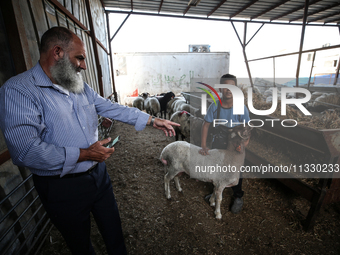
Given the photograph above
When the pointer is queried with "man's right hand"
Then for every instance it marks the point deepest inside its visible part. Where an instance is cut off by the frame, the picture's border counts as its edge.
(96, 152)
(204, 151)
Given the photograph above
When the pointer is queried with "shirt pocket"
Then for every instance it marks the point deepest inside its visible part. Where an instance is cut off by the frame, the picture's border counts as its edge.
(91, 117)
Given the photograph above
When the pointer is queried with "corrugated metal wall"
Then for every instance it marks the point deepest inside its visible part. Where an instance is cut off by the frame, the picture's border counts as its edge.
(40, 15)
(23, 221)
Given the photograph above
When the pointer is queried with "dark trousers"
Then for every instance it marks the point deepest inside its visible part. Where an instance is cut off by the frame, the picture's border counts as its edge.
(69, 201)
(237, 190)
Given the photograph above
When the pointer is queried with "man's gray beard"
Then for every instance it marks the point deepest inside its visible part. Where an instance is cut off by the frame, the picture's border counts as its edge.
(67, 75)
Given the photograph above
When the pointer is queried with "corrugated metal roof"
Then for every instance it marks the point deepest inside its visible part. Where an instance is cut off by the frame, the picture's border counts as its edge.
(326, 12)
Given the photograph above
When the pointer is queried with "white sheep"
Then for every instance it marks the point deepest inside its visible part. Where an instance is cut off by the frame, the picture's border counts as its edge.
(181, 105)
(152, 106)
(181, 156)
(138, 103)
(129, 100)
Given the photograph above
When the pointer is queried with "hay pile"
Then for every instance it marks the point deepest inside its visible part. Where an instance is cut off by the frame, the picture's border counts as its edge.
(328, 120)
(328, 98)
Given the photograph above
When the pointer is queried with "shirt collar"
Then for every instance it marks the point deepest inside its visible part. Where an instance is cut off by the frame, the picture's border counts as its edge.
(61, 89)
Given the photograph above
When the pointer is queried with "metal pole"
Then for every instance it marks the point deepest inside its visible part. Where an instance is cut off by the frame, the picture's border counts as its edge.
(223, 20)
(244, 49)
(245, 54)
(274, 70)
(293, 53)
(311, 69)
(255, 34)
(337, 73)
(121, 25)
(111, 57)
(239, 39)
(305, 14)
(245, 34)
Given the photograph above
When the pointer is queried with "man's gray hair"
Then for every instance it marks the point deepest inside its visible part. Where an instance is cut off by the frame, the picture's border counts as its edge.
(55, 36)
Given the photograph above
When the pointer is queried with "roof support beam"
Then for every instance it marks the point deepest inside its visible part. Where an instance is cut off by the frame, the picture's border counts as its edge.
(243, 8)
(218, 6)
(219, 19)
(121, 25)
(239, 39)
(305, 14)
(255, 34)
(245, 54)
(186, 10)
(243, 44)
(293, 53)
(317, 11)
(269, 9)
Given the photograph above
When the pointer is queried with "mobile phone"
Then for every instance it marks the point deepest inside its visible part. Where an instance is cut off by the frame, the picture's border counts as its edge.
(110, 145)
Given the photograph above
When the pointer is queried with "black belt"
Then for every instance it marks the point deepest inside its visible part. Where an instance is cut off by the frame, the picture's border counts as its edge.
(72, 175)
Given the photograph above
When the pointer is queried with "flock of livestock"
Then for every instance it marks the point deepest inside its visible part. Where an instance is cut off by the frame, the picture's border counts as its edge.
(162, 105)
(181, 156)
(176, 109)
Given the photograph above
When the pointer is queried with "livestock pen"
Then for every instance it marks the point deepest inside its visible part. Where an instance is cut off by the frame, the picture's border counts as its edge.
(304, 145)
(269, 223)
(24, 224)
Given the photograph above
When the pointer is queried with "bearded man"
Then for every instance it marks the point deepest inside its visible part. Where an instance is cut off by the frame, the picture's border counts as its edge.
(49, 121)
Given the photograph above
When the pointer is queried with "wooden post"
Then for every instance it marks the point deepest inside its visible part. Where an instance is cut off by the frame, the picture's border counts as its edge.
(95, 48)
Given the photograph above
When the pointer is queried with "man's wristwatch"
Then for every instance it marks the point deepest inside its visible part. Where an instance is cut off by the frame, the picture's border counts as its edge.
(152, 121)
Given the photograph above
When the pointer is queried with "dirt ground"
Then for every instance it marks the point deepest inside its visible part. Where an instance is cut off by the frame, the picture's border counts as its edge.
(270, 222)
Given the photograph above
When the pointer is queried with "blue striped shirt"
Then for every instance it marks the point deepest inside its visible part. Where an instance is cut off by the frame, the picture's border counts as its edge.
(45, 126)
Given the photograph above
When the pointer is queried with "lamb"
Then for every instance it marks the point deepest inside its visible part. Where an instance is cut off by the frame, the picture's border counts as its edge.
(181, 117)
(190, 128)
(171, 103)
(163, 101)
(169, 106)
(181, 105)
(139, 101)
(181, 157)
(129, 101)
(152, 106)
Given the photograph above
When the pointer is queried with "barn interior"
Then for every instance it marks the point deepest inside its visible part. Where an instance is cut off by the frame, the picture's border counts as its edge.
(25, 227)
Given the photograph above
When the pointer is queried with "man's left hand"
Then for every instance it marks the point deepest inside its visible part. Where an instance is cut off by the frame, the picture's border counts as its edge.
(166, 126)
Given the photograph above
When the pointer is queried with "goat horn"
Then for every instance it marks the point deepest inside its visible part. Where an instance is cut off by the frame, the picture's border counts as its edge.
(239, 134)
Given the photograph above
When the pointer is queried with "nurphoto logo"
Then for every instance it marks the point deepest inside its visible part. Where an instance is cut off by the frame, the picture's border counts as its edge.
(238, 103)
